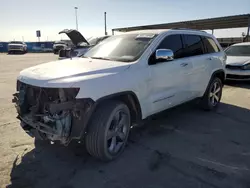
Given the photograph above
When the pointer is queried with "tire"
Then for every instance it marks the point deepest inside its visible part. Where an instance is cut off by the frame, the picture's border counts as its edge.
(108, 131)
(211, 98)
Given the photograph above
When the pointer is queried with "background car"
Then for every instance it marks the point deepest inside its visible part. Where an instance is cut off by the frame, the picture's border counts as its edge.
(61, 45)
(238, 61)
(81, 45)
(17, 46)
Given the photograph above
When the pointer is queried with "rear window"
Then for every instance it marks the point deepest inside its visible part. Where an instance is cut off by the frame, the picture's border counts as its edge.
(193, 45)
(16, 42)
(60, 42)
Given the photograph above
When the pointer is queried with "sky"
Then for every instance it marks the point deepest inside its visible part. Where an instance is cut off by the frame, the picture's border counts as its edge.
(21, 18)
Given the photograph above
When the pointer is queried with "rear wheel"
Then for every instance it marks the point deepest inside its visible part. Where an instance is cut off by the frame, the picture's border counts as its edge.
(212, 96)
(108, 130)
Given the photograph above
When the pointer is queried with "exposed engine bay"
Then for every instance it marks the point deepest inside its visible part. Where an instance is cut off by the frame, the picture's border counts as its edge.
(51, 113)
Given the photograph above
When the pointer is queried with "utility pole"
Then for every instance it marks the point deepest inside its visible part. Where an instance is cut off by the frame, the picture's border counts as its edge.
(243, 34)
(76, 18)
(248, 29)
(105, 23)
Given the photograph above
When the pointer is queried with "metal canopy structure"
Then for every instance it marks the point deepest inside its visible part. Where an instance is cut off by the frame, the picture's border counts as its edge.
(203, 24)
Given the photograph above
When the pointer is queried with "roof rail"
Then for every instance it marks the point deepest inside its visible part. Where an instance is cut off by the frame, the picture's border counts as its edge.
(188, 29)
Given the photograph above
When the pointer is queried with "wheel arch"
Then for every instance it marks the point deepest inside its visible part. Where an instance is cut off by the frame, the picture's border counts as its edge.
(130, 99)
(220, 73)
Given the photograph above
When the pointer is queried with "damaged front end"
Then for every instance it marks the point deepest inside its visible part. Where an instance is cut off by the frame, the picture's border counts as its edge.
(52, 113)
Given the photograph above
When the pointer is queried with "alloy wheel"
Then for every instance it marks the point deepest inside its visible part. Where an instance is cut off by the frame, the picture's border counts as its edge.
(117, 133)
(215, 94)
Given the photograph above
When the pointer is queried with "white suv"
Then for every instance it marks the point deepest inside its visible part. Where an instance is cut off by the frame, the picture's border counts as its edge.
(17, 46)
(118, 83)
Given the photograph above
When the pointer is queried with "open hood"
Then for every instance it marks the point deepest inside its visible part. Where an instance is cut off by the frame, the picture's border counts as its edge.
(74, 35)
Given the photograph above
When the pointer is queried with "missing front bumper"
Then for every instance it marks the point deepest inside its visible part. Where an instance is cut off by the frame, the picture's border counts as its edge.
(61, 118)
(71, 126)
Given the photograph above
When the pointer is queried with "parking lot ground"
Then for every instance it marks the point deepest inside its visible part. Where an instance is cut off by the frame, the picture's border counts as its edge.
(182, 147)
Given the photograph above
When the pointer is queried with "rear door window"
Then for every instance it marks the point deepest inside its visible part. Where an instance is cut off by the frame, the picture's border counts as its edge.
(193, 46)
(210, 45)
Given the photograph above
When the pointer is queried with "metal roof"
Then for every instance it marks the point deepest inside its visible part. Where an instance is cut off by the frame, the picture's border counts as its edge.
(203, 24)
(232, 40)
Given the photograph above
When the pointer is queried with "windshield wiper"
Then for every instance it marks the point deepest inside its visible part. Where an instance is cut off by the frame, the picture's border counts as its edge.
(103, 58)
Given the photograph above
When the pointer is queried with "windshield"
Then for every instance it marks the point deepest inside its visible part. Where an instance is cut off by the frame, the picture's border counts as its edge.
(60, 43)
(16, 42)
(92, 41)
(125, 48)
(96, 40)
(238, 50)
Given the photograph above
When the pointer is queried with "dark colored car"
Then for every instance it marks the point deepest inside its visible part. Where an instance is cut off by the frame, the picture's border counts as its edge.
(17, 46)
(80, 44)
(61, 45)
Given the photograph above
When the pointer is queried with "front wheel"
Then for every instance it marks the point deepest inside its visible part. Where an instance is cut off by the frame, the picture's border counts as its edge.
(108, 130)
(212, 96)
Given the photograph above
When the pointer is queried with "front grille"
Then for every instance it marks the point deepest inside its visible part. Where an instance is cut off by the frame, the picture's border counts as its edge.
(15, 47)
(234, 67)
(240, 77)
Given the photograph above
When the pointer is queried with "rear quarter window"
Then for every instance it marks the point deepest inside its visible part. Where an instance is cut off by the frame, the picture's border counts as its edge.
(210, 45)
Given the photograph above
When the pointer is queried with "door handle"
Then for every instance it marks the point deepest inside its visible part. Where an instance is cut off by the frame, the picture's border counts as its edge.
(210, 58)
(184, 64)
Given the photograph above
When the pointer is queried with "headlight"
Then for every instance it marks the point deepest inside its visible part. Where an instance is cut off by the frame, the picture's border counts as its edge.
(246, 67)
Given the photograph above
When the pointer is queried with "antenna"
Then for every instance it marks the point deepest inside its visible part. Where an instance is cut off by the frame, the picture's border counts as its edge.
(105, 22)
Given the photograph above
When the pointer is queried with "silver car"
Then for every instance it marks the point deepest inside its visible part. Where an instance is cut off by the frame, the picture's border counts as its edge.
(238, 61)
(17, 46)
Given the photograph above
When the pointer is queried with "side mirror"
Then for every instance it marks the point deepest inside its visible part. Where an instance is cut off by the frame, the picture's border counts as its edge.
(164, 54)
